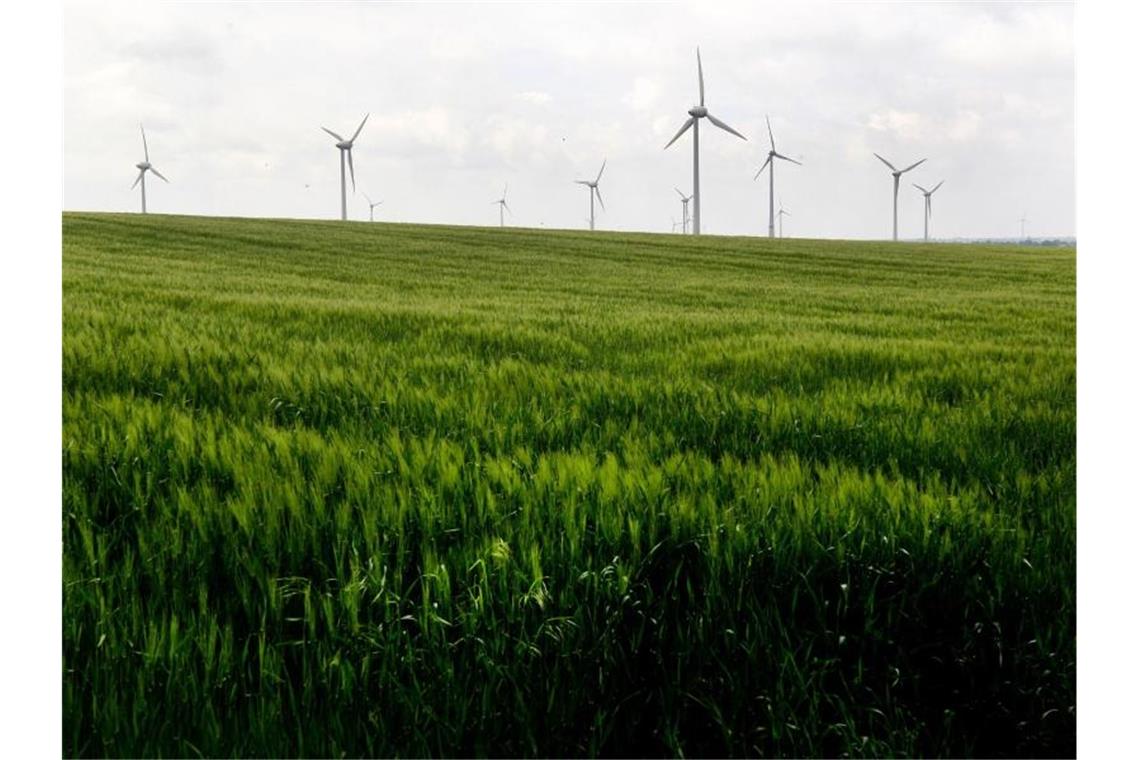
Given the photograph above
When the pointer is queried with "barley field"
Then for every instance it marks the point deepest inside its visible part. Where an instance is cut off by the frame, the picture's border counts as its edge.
(352, 489)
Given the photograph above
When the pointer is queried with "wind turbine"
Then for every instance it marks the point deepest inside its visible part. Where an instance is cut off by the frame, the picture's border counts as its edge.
(696, 113)
(684, 211)
(503, 205)
(345, 147)
(928, 213)
(144, 166)
(593, 189)
(781, 213)
(770, 165)
(896, 174)
(371, 206)
(1023, 220)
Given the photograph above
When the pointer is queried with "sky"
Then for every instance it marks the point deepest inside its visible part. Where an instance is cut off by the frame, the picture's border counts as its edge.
(466, 98)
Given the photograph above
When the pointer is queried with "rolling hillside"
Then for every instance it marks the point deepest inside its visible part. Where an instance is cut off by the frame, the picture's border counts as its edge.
(390, 489)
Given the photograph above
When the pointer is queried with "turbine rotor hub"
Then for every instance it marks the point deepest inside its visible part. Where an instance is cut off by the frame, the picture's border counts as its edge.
(344, 145)
(698, 111)
(143, 165)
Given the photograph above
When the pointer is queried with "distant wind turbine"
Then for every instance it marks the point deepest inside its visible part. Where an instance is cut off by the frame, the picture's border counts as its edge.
(781, 213)
(928, 212)
(502, 205)
(593, 189)
(144, 166)
(696, 113)
(1023, 219)
(684, 211)
(676, 224)
(770, 165)
(371, 207)
(345, 147)
(897, 173)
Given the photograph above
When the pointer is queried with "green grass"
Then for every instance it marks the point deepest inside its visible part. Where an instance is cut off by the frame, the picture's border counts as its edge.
(398, 490)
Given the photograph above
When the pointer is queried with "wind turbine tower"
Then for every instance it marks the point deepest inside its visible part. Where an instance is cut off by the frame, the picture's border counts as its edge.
(928, 212)
(593, 189)
(502, 205)
(371, 207)
(345, 147)
(770, 165)
(145, 166)
(897, 173)
(781, 213)
(696, 113)
(684, 211)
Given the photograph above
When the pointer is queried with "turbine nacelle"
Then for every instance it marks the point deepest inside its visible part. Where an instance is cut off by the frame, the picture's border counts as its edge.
(698, 112)
(142, 165)
(345, 145)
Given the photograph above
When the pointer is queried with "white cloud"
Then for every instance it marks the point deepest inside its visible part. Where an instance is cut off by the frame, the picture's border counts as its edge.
(536, 98)
(904, 125)
(645, 94)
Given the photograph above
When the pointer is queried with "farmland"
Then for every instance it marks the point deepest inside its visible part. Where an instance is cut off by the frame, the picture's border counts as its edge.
(390, 489)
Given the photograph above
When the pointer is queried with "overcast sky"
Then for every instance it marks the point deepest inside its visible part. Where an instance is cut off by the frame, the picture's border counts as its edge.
(465, 98)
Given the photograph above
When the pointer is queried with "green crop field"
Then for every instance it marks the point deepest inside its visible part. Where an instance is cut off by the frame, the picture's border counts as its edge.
(364, 489)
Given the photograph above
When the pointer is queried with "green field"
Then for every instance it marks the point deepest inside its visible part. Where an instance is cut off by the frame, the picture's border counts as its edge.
(406, 490)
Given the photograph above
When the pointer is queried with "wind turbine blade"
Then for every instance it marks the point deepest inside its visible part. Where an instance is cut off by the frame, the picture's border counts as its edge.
(794, 161)
(770, 138)
(599, 193)
(600, 171)
(936, 187)
(164, 179)
(504, 192)
(921, 188)
(681, 131)
(680, 193)
(370, 203)
(762, 168)
(146, 153)
(916, 163)
(508, 208)
(351, 170)
(701, 76)
(724, 126)
(138, 179)
(885, 161)
(357, 132)
(334, 134)
(582, 182)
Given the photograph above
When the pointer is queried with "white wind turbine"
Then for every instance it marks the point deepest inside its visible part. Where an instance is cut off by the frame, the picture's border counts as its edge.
(696, 113)
(770, 165)
(897, 173)
(781, 213)
(345, 147)
(684, 211)
(144, 166)
(502, 205)
(928, 212)
(371, 207)
(1023, 220)
(593, 189)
